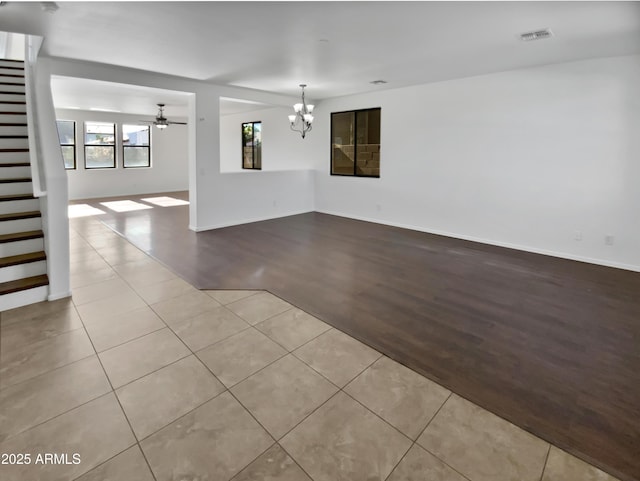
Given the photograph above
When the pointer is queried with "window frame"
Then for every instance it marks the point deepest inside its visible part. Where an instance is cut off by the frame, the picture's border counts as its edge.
(112, 145)
(74, 144)
(148, 147)
(355, 143)
(253, 150)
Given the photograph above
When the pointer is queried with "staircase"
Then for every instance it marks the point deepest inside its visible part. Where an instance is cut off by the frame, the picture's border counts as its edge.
(23, 267)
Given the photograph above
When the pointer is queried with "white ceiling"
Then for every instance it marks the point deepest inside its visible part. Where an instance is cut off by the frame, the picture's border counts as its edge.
(337, 48)
(83, 94)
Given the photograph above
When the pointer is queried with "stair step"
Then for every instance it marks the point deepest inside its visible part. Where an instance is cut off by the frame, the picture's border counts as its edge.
(23, 284)
(12, 67)
(21, 172)
(11, 186)
(9, 96)
(29, 224)
(27, 205)
(14, 272)
(16, 149)
(18, 247)
(15, 180)
(20, 215)
(21, 236)
(14, 142)
(12, 197)
(4, 74)
(24, 298)
(12, 88)
(19, 131)
(13, 118)
(18, 157)
(16, 164)
(22, 259)
(13, 107)
(17, 188)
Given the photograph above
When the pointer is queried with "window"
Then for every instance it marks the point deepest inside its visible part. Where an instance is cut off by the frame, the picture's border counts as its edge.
(136, 146)
(67, 137)
(99, 145)
(355, 143)
(252, 145)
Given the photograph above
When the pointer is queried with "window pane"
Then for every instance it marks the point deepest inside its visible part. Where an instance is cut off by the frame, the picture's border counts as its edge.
(252, 145)
(66, 132)
(257, 145)
(368, 142)
(99, 133)
(69, 156)
(342, 154)
(99, 157)
(247, 147)
(136, 157)
(135, 135)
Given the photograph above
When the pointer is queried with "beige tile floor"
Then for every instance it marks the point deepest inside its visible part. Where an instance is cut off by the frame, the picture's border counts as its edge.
(147, 378)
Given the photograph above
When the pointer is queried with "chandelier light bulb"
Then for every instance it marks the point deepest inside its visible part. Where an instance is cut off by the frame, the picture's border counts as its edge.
(302, 119)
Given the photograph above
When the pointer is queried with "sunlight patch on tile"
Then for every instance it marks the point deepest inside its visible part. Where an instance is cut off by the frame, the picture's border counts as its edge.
(165, 201)
(83, 210)
(125, 205)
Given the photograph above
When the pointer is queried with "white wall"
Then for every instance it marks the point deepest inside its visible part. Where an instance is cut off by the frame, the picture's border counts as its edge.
(216, 198)
(530, 159)
(282, 149)
(169, 166)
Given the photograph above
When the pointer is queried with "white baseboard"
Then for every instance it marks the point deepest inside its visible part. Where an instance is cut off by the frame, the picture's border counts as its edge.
(23, 298)
(58, 295)
(562, 255)
(246, 221)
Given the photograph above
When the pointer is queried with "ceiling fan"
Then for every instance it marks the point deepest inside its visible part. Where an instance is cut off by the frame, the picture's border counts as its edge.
(161, 121)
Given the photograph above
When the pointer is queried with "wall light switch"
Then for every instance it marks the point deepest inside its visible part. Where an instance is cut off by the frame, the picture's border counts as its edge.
(608, 240)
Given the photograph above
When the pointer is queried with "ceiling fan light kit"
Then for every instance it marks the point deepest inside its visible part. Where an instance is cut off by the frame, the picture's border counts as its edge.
(161, 121)
(302, 120)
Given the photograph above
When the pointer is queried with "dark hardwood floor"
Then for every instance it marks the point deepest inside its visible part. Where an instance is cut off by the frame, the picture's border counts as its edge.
(549, 344)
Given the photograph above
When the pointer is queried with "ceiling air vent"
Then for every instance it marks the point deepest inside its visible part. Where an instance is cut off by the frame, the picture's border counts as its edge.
(537, 35)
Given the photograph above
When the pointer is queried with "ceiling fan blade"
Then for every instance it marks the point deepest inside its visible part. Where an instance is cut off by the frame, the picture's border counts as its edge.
(176, 123)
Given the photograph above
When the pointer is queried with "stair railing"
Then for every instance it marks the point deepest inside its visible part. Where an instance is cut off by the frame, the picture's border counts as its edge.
(47, 168)
(37, 169)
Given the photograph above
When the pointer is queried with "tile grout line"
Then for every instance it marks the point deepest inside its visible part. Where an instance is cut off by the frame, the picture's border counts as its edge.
(294, 460)
(451, 393)
(203, 364)
(117, 399)
(193, 353)
(546, 460)
(119, 404)
(49, 370)
(339, 389)
(434, 416)
(132, 339)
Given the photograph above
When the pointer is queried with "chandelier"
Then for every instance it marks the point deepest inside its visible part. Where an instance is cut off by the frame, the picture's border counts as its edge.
(302, 119)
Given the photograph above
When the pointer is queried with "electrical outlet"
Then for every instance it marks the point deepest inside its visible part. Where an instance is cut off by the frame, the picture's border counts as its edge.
(578, 235)
(608, 240)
